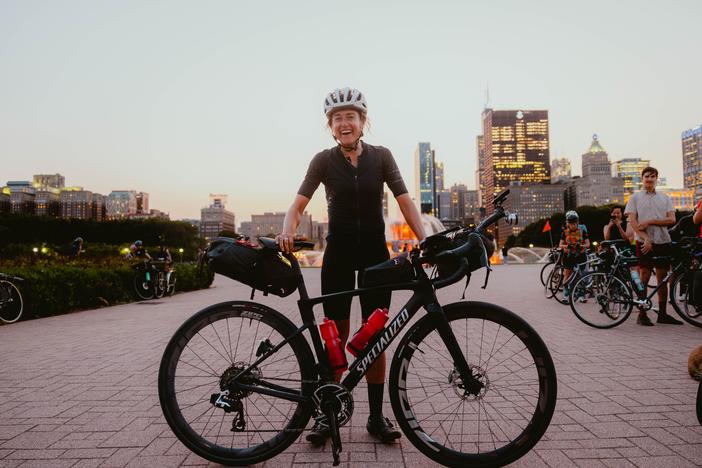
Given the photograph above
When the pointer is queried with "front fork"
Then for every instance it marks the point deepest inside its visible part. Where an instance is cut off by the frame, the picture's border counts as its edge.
(471, 384)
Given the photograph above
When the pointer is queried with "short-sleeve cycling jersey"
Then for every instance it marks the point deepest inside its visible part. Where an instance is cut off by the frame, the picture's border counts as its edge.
(354, 194)
(574, 237)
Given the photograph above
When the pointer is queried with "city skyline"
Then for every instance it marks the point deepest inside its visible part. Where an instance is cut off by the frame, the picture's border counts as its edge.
(111, 96)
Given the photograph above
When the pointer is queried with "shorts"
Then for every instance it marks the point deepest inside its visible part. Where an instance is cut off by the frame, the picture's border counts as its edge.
(342, 259)
(658, 250)
(571, 261)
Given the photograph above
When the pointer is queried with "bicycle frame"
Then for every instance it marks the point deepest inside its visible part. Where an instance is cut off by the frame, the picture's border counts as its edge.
(424, 296)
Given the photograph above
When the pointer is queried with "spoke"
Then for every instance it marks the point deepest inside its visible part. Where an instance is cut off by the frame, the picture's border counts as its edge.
(214, 372)
(209, 384)
(226, 359)
(533, 364)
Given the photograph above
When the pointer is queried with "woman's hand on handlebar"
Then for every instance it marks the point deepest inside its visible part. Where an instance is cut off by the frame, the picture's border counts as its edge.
(286, 241)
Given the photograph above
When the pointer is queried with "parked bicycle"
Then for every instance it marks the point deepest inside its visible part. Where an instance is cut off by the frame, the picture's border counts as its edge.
(615, 292)
(554, 258)
(559, 288)
(11, 303)
(471, 383)
(150, 280)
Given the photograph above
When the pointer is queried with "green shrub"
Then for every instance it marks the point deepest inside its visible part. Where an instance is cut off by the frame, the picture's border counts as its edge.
(54, 289)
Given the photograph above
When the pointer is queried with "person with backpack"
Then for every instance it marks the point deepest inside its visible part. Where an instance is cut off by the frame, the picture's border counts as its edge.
(354, 174)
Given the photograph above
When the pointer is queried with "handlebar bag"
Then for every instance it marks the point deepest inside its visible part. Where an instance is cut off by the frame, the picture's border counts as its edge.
(396, 270)
(246, 262)
(447, 267)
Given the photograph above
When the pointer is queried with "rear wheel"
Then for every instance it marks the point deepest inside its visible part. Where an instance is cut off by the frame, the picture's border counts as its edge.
(505, 418)
(554, 282)
(601, 300)
(11, 303)
(199, 375)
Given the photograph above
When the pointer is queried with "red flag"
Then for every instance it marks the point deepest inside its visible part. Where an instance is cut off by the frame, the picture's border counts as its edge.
(547, 226)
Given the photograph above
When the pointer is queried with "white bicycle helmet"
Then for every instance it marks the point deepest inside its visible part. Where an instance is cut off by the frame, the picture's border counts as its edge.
(572, 215)
(345, 98)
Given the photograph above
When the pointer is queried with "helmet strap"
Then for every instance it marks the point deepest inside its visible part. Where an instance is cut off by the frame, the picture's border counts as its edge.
(350, 148)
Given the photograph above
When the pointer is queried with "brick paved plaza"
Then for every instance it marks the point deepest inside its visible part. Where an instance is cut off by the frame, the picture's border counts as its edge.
(80, 390)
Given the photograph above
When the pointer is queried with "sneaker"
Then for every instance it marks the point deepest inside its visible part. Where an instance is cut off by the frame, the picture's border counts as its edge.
(644, 320)
(382, 429)
(318, 434)
(667, 319)
(566, 294)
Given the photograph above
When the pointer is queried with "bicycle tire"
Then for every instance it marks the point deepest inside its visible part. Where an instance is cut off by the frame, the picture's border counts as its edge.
(171, 284)
(471, 322)
(544, 275)
(679, 297)
(191, 341)
(11, 302)
(558, 286)
(140, 282)
(554, 281)
(601, 290)
(160, 285)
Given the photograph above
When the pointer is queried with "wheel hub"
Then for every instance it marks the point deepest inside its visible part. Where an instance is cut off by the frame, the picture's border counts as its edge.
(470, 391)
(226, 382)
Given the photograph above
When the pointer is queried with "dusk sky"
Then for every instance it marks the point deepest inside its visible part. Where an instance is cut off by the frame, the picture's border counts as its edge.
(181, 99)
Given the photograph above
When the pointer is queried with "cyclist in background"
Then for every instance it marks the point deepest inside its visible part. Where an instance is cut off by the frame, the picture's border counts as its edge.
(137, 250)
(76, 248)
(164, 255)
(650, 213)
(575, 240)
(617, 227)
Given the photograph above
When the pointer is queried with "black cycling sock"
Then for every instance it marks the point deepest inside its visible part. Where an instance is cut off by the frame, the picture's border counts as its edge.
(375, 399)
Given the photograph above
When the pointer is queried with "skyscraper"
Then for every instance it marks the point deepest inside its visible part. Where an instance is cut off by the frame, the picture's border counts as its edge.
(692, 160)
(480, 171)
(424, 178)
(597, 187)
(629, 169)
(142, 203)
(77, 204)
(516, 149)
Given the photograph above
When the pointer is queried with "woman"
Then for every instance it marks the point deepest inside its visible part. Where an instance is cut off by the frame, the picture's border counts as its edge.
(353, 174)
(617, 228)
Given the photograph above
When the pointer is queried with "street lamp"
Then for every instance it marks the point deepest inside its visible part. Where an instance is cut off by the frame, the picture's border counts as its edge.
(35, 249)
(180, 251)
(531, 246)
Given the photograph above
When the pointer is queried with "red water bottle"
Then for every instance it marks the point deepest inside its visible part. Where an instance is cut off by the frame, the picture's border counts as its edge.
(335, 353)
(368, 330)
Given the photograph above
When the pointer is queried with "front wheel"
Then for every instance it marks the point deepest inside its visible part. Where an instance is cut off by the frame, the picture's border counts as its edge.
(680, 297)
(202, 367)
(545, 272)
(143, 287)
(494, 426)
(11, 303)
(601, 300)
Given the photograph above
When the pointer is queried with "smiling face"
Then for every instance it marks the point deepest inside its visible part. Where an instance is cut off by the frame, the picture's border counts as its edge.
(347, 126)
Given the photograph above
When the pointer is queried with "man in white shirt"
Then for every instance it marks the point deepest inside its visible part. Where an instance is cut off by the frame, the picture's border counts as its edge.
(650, 213)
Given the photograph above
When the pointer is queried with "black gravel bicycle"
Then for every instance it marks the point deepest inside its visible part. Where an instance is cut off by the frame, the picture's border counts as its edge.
(11, 303)
(471, 383)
